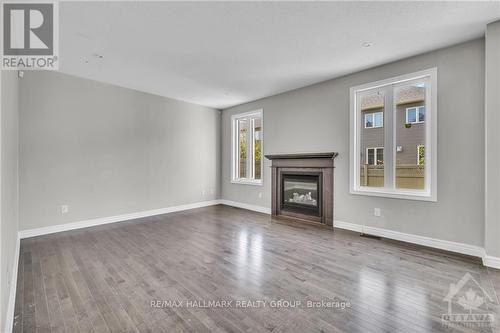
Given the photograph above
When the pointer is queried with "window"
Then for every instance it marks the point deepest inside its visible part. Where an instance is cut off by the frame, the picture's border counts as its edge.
(247, 134)
(374, 120)
(384, 162)
(421, 155)
(415, 115)
(375, 156)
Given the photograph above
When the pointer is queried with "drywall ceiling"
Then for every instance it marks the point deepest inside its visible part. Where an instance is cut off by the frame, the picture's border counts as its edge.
(221, 54)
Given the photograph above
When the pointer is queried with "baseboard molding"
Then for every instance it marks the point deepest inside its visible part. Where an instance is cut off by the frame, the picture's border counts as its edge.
(9, 318)
(112, 219)
(456, 247)
(348, 226)
(490, 261)
(254, 208)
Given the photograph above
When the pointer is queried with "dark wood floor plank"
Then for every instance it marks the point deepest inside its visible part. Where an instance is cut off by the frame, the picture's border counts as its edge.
(103, 279)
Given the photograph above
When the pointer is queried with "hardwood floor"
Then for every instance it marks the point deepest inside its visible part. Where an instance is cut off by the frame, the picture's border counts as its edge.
(104, 279)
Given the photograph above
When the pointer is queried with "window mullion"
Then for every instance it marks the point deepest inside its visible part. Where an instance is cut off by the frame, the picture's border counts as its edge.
(389, 138)
(249, 148)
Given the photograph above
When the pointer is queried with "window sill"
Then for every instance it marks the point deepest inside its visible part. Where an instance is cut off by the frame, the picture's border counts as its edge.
(400, 194)
(247, 182)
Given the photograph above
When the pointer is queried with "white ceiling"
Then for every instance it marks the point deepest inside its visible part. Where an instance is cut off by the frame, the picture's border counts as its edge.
(222, 54)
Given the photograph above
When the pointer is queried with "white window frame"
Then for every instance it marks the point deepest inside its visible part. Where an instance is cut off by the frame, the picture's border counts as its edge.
(376, 149)
(418, 154)
(250, 148)
(417, 114)
(373, 117)
(429, 193)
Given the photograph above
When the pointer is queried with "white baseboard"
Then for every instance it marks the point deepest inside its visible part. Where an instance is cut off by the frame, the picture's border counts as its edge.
(348, 226)
(490, 261)
(9, 318)
(112, 219)
(456, 247)
(254, 208)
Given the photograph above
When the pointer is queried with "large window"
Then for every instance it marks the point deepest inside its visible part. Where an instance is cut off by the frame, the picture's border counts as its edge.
(398, 117)
(247, 134)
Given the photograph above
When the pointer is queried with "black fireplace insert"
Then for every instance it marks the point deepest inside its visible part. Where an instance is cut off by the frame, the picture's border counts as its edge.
(301, 192)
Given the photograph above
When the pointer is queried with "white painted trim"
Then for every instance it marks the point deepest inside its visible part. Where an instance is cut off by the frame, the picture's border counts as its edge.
(493, 262)
(462, 248)
(348, 226)
(112, 219)
(9, 318)
(430, 192)
(254, 208)
(235, 148)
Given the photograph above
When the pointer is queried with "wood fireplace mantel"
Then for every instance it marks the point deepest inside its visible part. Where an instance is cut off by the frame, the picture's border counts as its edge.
(321, 164)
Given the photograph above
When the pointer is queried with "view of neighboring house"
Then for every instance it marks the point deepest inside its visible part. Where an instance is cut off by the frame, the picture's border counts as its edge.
(410, 137)
(410, 128)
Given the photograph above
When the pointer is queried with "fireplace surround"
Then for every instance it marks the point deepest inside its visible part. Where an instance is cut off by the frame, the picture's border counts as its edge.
(302, 186)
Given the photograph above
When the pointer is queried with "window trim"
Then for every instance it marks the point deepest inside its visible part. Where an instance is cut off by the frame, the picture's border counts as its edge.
(417, 114)
(235, 148)
(375, 155)
(373, 117)
(431, 168)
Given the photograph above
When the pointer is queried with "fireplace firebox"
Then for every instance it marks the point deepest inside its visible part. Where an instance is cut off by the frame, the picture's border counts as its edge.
(301, 192)
(302, 186)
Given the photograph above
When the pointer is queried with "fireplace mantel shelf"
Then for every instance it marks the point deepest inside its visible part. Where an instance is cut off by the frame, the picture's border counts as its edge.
(331, 155)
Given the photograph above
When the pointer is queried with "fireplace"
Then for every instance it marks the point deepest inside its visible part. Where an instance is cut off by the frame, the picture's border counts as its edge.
(302, 186)
(301, 193)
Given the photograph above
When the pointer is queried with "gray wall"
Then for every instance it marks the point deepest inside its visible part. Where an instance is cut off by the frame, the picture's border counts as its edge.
(9, 184)
(316, 118)
(105, 150)
(492, 226)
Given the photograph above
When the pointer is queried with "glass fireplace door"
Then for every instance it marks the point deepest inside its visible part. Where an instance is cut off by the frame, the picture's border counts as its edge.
(301, 193)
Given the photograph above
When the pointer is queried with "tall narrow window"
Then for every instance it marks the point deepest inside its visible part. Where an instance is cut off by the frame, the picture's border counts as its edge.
(247, 131)
(398, 117)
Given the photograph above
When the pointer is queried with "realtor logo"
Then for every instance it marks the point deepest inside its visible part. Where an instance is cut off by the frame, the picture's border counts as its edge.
(471, 305)
(30, 35)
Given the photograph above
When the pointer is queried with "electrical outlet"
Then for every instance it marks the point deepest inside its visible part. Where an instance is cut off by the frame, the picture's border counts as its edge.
(203, 192)
(377, 212)
(260, 194)
(64, 209)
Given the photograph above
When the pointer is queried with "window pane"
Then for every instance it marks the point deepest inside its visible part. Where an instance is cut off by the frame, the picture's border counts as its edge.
(421, 114)
(409, 173)
(369, 120)
(380, 156)
(242, 147)
(378, 120)
(257, 139)
(371, 156)
(371, 104)
(412, 115)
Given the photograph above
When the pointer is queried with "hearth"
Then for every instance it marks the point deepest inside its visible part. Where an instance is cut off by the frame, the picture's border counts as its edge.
(302, 186)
